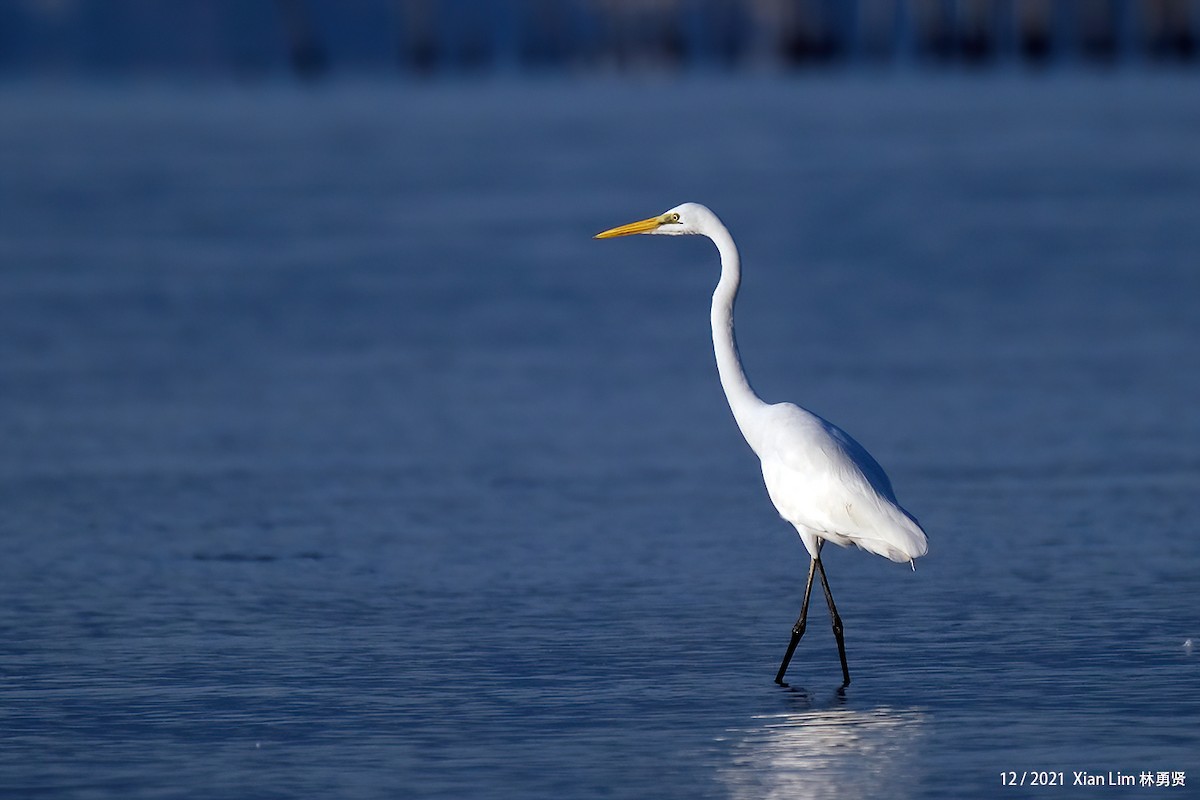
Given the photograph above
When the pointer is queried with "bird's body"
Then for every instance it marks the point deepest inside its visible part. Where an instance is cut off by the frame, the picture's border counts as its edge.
(830, 488)
(820, 479)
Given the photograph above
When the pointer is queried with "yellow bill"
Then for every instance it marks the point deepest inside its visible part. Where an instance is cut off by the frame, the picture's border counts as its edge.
(644, 226)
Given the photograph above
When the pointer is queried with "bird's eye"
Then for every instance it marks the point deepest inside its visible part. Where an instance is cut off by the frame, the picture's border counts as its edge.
(674, 218)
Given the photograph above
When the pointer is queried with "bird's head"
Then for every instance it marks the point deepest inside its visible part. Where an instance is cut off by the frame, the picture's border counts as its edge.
(689, 218)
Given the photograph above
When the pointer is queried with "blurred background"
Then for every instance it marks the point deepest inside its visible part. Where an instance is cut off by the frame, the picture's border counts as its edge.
(313, 38)
(337, 458)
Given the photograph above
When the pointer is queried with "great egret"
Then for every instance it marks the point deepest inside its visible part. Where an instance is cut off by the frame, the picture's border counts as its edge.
(820, 480)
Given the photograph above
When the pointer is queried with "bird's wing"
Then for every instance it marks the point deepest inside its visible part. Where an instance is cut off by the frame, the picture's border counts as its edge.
(822, 480)
(867, 466)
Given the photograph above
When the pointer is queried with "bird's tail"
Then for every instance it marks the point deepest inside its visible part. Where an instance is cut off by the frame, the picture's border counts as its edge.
(904, 542)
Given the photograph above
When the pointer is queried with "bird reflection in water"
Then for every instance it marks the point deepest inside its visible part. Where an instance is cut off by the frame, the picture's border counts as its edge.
(824, 752)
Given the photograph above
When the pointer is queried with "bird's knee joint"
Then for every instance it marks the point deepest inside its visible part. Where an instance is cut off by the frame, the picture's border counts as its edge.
(798, 629)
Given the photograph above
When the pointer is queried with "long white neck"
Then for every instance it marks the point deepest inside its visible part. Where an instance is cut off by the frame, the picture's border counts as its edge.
(742, 399)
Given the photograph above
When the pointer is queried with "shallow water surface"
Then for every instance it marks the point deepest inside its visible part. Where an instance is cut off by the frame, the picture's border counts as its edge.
(339, 460)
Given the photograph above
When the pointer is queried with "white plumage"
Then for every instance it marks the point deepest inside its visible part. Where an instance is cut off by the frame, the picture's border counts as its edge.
(820, 479)
(829, 487)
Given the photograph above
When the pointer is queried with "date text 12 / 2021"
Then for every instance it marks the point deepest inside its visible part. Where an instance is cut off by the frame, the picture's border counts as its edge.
(1032, 778)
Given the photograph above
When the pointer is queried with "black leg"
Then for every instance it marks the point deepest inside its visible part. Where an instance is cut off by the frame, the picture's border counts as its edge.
(837, 624)
(798, 628)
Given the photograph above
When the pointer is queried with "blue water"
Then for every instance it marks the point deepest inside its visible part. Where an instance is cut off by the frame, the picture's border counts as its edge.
(337, 460)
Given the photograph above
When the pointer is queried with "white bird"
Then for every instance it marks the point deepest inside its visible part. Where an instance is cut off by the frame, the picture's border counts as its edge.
(821, 481)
